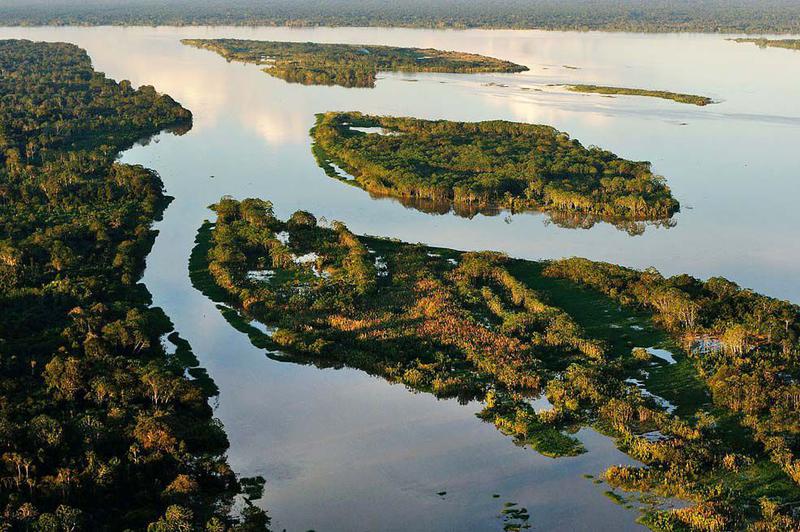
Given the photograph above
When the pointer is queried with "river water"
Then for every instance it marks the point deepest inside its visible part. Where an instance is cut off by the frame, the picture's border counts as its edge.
(344, 451)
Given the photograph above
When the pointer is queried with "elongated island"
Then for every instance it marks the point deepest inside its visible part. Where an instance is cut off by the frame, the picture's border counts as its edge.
(476, 165)
(348, 65)
(679, 97)
(695, 379)
(788, 44)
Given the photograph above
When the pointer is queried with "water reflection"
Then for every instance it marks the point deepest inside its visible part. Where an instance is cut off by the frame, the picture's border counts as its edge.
(563, 219)
(377, 460)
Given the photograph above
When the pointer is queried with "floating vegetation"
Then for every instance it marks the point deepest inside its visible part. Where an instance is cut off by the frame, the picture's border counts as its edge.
(514, 518)
(615, 497)
(393, 309)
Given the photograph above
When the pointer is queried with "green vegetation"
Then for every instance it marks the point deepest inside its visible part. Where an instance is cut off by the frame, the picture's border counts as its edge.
(713, 16)
(348, 65)
(506, 332)
(100, 428)
(789, 44)
(514, 517)
(467, 331)
(482, 165)
(616, 498)
(744, 347)
(665, 95)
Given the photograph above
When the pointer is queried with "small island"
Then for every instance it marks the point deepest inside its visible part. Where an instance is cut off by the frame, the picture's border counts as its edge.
(548, 347)
(476, 165)
(789, 44)
(348, 65)
(692, 99)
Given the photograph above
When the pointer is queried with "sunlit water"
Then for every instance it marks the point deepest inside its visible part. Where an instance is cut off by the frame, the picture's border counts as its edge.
(344, 451)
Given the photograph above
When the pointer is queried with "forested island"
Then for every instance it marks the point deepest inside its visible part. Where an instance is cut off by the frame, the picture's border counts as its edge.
(100, 427)
(348, 65)
(483, 326)
(789, 44)
(692, 99)
(483, 165)
(711, 16)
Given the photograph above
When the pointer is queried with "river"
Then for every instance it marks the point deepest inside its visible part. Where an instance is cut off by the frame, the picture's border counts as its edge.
(345, 451)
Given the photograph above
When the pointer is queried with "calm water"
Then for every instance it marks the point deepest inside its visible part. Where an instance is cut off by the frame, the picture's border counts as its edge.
(344, 451)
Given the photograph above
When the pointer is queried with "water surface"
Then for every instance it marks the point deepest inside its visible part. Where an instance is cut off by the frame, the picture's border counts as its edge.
(345, 451)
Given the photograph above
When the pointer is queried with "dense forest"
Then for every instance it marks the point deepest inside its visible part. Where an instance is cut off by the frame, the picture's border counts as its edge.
(101, 428)
(348, 65)
(482, 326)
(731, 16)
(692, 99)
(789, 44)
(483, 164)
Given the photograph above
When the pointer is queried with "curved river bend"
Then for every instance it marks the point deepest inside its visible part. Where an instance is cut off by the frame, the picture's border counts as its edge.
(344, 451)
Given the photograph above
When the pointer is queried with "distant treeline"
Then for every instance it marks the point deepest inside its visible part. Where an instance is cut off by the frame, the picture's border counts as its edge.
(348, 65)
(731, 16)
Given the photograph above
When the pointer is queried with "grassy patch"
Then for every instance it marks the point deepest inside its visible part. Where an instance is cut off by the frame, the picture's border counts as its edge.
(680, 385)
(622, 328)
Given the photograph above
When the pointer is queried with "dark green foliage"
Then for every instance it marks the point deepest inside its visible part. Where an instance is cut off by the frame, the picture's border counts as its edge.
(52, 99)
(99, 427)
(664, 95)
(482, 164)
(348, 65)
(730, 16)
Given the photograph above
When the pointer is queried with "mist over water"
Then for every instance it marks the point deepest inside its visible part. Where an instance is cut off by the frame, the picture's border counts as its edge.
(344, 451)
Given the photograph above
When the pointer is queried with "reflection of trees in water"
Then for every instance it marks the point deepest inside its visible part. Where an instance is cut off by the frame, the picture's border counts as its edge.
(563, 219)
(179, 130)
